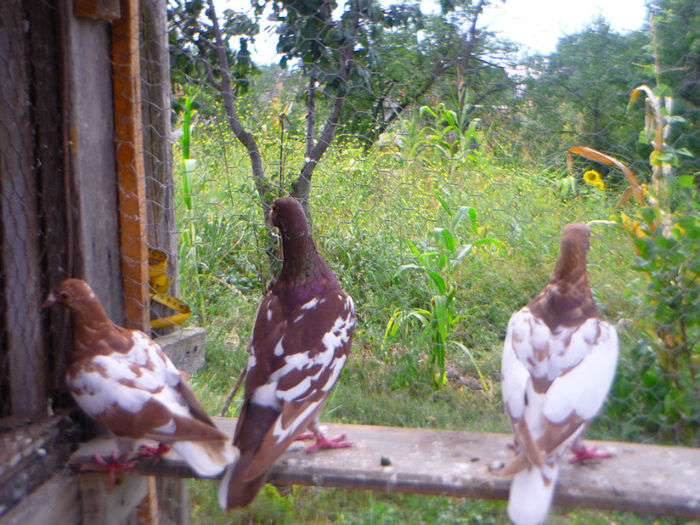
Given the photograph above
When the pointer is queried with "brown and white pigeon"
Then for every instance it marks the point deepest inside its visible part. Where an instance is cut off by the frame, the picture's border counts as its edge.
(125, 381)
(300, 342)
(558, 364)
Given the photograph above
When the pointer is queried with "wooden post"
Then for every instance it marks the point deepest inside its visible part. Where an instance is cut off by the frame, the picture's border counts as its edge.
(130, 167)
(21, 352)
(157, 142)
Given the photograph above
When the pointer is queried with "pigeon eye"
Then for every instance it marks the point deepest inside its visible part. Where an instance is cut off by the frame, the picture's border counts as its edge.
(63, 296)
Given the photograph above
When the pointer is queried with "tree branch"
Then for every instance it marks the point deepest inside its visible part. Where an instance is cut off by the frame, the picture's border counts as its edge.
(311, 114)
(302, 186)
(244, 137)
(438, 71)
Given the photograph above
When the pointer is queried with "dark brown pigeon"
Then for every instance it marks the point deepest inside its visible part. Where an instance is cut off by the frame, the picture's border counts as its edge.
(125, 381)
(558, 364)
(300, 342)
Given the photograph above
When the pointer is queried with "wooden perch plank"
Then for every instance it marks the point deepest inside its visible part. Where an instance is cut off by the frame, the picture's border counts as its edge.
(640, 478)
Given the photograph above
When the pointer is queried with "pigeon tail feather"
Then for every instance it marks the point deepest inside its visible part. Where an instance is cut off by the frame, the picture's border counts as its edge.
(530, 496)
(234, 492)
(207, 458)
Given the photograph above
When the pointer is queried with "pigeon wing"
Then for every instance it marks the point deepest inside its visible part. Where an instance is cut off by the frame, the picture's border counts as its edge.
(301, 365)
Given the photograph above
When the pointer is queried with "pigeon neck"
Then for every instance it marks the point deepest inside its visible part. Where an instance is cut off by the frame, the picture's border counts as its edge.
(88, 327)
(302, 263)
(567, 298)
(571, 268)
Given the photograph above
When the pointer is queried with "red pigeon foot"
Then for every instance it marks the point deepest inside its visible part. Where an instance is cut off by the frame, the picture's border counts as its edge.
(322, 442)
(113, 465)
(147, 451)
(583, 452)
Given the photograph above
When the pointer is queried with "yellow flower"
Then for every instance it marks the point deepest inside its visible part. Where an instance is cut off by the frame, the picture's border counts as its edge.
(600, 185)
(591, 177)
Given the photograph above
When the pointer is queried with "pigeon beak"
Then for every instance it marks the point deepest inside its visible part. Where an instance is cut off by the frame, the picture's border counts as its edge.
(49, 301)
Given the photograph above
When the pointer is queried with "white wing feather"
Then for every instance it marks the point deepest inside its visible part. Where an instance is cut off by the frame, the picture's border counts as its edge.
(583, 389)
(113, 381)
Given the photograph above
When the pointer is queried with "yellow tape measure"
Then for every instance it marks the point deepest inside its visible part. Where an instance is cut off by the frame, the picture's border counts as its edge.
(160, 282)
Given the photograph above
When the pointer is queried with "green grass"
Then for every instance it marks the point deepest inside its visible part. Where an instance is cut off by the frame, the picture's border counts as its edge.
(365, 210)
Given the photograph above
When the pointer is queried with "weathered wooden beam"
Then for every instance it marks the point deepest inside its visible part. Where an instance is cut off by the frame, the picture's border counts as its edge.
(157, 142)
(22, 354)
(105, 505)
(56, 501)
(30, 453)
(97, 9)
(185, 348)
(130, 168)
(640, 478)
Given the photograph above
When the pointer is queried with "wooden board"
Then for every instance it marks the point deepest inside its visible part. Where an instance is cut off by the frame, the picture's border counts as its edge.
(640, 478)
(91, 187)
(22, 354)
(56, 501)
(130, 169)
(185, 348)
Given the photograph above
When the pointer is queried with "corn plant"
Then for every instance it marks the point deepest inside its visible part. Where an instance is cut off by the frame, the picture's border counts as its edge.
(665, 231)
(439, 262)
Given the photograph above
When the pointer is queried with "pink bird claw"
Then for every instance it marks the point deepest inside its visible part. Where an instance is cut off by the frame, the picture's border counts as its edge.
(583, 453)
(322, 442)
(147, 451)
(304, 437)
(113, 465)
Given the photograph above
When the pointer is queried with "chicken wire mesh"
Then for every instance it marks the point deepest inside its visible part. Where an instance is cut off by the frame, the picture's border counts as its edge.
(445, 178)
(433, 158)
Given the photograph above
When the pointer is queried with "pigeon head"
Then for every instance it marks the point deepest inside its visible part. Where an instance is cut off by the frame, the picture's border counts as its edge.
(303, 269)
(76, 295)
(288, 215)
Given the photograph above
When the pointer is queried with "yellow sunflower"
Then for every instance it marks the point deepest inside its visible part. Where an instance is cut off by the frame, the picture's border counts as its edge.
(592, 177)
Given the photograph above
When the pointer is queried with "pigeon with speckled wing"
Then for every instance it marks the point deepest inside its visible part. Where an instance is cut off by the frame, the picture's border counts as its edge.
(124, 380)
(300, 342)
(558, 363)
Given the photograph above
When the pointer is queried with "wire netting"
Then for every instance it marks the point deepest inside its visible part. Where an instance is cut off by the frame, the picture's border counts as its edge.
(434, 159)
(445, 176)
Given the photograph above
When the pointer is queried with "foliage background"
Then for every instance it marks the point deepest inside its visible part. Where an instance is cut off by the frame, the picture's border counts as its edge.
(438, 201)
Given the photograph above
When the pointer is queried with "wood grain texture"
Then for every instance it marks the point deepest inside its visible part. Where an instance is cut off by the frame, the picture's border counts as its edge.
(105, 505)
(23, 353)
(640, 478)
(56, 501)
(130, 166)
(97, 9)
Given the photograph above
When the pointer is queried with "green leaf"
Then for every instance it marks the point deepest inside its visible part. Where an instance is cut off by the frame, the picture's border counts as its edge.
(686, 180)
(420, 315)
(474, 363)
(415, 251)
(426, 109)
(441, 316)
(438, 281)
(472, 217)
(462, 253)
(443, 203)
(685, 152)
(447, 238)
(489, 240)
